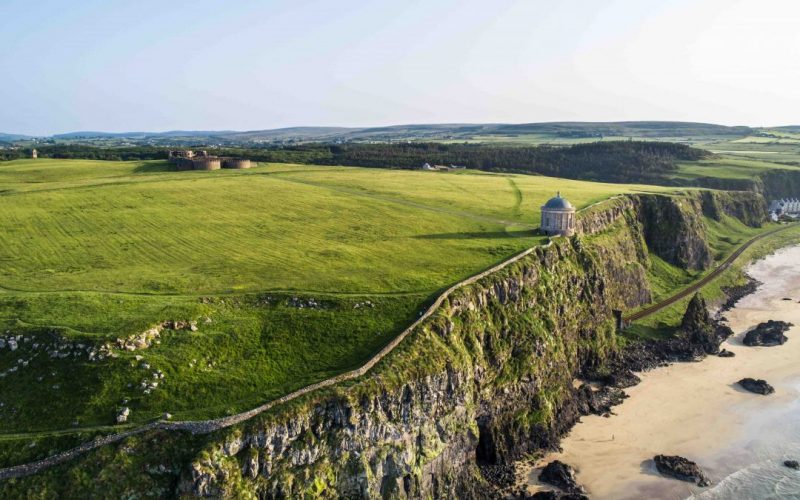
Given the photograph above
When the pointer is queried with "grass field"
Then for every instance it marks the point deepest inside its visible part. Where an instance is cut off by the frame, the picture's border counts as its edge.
(294, 273)
(338, 230)
(731, 167)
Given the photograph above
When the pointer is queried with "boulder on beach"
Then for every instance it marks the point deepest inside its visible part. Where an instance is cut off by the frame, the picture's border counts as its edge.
(792, 464)
(767, 334)
(681, 468)
(758, 386)
(726, 354)
(561, 476)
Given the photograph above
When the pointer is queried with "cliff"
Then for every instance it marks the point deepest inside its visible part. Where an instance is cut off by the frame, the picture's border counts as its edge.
(485, 380)
(772, 184)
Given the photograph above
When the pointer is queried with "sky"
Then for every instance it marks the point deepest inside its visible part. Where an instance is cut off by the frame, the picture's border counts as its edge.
(148, 65)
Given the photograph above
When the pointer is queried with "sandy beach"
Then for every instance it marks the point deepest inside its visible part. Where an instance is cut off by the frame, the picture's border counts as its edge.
(696, 410)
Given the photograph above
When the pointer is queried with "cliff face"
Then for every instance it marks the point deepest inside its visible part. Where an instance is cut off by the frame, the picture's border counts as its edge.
(487, 379)
(780, 184)
(772, 184)
(674, 231)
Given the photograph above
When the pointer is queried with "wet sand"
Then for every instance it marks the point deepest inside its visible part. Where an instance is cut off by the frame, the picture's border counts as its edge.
(695, 409)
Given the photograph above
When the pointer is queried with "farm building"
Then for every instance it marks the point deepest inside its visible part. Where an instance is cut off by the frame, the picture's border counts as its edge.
(558, 217)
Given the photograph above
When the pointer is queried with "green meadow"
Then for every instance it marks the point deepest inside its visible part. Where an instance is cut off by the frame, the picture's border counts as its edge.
(293, 273)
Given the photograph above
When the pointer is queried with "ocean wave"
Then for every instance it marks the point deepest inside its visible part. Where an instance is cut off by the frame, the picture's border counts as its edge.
(766, 480)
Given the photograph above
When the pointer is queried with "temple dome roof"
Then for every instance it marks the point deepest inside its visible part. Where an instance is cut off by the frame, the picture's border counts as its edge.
(558, 203)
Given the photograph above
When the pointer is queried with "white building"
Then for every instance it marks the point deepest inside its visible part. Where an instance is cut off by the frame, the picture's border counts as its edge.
(786, 206)
(558, 217)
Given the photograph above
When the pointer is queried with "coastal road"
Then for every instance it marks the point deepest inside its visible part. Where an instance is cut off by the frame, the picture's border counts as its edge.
(647, 311)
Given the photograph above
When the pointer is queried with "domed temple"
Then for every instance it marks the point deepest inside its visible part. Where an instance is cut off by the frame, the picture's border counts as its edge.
(558, 217)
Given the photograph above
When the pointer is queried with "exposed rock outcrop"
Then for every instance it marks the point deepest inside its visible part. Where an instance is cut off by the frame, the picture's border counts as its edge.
(562, 476)
(123, 414)
(681, 468)
(757, 386)
(735, 293)
(767, 334)
(698, 327)
(792, 464)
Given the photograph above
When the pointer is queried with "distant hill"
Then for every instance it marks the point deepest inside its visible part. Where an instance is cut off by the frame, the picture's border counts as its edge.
(468, 131)
(138, 135)
(12, 137)
(530, 132)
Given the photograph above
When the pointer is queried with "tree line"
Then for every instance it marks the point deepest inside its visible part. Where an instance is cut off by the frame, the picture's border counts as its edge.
(610, 161)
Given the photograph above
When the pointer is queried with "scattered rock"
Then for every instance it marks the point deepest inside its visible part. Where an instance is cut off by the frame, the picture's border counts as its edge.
(792, 464)
(681, 468)
(736, 293)
(123, 414)
(767, 334)
(500, 475)
(167, 416)
(598, 401)
(554, 495)
(756, 385)
(300, 303)
(624, 379)
(148, 337)
(561, 476)
(726, 354)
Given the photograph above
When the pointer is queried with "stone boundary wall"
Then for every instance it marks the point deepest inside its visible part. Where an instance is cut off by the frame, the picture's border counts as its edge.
(207, 426)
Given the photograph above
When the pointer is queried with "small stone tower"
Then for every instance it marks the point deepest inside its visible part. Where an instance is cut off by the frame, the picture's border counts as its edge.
(558, 217)
(34, 154)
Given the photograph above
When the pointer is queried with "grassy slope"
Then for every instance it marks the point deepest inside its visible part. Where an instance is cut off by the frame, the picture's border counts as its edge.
(99, 250)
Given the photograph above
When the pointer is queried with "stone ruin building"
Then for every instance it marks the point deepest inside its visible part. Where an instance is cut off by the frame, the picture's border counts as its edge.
(558, 217)
(201, 160)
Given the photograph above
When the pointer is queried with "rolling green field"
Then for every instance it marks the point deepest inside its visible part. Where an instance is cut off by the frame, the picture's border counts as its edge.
(130, 228)
(293, 273)
(730, 166)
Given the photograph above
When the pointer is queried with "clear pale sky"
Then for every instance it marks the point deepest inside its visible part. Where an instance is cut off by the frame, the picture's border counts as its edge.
(242, 65)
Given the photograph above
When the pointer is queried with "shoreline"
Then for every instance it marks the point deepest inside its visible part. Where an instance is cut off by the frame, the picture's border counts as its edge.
(695, 409)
